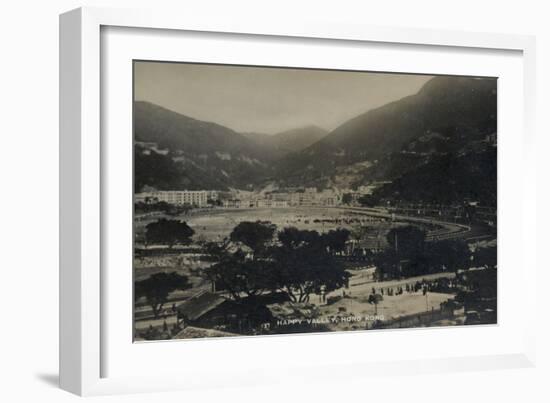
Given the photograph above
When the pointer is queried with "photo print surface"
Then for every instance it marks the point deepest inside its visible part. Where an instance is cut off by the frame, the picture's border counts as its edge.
(275, 200)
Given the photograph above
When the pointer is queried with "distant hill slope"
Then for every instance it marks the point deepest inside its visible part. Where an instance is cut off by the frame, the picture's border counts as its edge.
(298, 139)
(289, 141)
(460, 109)
(179, 132)
(447, 179)
(200, 154)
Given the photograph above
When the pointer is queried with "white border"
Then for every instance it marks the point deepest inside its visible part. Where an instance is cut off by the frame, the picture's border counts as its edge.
(120, 45)
(81, 346)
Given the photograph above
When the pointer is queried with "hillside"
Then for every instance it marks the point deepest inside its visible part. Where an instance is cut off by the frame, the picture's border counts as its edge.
(197, 154)
(290, 141)
(179, 132)
(446, 179)
(456, 110)
(296, 140)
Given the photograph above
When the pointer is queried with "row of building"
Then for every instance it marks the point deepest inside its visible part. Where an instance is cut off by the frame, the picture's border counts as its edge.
(290, 197)
(198, 198)
(287, 198)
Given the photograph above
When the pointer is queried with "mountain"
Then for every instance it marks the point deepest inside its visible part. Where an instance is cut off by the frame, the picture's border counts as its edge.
(153, 123)
(174, 151)
(445, 114)
(444, 104)
(289, 141)
(296, 140)
(437, 145)
(447, 179)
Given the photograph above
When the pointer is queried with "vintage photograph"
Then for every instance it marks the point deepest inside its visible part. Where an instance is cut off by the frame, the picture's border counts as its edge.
(275, 200)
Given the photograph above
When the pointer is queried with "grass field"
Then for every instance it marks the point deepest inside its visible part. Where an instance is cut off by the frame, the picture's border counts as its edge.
(217, 224)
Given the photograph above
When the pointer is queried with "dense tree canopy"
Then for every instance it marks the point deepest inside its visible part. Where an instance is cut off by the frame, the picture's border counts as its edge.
(161, 206)
(336, 239)
(158, 287)
(168, 232)
(347, 198)
(301, 263)
(410, 255)
(485, 257)
(407, 241)
(255, 235)
(233, 272)
(450, 255)
(368, 201)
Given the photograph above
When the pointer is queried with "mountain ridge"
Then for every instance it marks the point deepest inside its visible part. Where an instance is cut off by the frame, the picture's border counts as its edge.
(288, 141)
(447, 119)
(454, 107)
(199, 154)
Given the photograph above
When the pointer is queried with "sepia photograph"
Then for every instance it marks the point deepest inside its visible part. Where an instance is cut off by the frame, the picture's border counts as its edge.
(278, 200)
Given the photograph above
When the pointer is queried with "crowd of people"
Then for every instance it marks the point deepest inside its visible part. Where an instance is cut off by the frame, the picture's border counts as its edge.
(442, 285)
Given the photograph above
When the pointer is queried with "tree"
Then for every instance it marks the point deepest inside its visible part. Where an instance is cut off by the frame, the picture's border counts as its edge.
(236, 274)
(255, 235)
(405, 255)
(387, 264)
(375, 299)
(158, 287)
(151, 205)
(169, 232)
(485, 256)
(359, 232)
(292, 237)
(417, 265)
(336, 240)
(302, 265)
(368, 201)
(407, 241)
(298, 266)
(449, 254)
(478, 289)
(347, 198)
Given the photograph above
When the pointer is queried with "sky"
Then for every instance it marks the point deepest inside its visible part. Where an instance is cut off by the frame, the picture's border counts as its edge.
(268, 100)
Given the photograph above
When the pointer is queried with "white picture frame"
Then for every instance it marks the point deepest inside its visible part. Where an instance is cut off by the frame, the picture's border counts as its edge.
(83, 173)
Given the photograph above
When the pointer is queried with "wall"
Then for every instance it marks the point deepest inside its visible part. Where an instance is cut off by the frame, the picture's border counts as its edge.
(28, 165)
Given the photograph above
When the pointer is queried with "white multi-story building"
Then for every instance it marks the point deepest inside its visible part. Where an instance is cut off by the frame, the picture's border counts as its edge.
(177, 197)
(212, 195)
(329, 197)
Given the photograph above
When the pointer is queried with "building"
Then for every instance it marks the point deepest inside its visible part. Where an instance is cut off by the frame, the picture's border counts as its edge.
(279, 203)
(330, 198)
(148, 147)
(205, 309)
(177, 197)
(306, 199)
(212, 195)
(366, 189)
(234, 203)
(191, 332)
(144, 198)
(271, 203)
(209, 310)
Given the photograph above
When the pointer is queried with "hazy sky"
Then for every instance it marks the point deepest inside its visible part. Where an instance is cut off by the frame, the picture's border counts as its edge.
(268, 100)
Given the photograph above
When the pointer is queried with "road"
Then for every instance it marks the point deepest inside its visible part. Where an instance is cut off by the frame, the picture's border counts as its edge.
(446, 230)
(366, 286)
